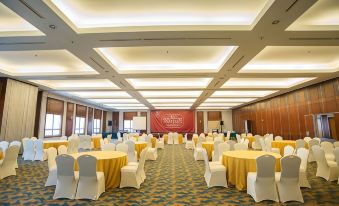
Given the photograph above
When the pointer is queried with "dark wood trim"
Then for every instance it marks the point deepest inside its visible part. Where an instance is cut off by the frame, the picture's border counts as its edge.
(37, 114)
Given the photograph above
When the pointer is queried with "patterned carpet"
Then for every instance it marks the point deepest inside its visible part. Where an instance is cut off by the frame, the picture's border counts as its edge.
(174, 179)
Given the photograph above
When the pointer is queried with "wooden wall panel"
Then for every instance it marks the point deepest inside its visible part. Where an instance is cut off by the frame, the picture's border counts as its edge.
(69, 119)
(90, 121)
(200, 122)
(104, 121)
(54, 106)
(291, 115)
(130, 115)
(97, 113)
(214, 116)
(115, 121)
(81, 111)
(37, 114)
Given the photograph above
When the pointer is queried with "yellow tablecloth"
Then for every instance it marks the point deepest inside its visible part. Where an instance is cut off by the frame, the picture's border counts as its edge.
(96, 142)
(109, 162)
(239, 163)
(154, 142)
(139, 146)
(209, 146)
(250, 140)
(195, 139)
(165, 136)
(54, 143)
(180, 138)
(1, 155)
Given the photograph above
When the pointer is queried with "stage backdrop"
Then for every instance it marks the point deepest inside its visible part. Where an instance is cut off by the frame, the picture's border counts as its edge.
(172, 121)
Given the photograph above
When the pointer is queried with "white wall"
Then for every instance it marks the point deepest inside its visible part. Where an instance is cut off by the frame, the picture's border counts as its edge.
(226, 116)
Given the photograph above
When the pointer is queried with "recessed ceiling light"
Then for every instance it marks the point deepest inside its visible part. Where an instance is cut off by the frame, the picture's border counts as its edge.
(176, 100)
(243, 93)
(264, 82)
(173, 105)
(42, 63)
(130, 108)
(172, 108)
(225, 100)
(294, 59)
(124, 105)
(77, 84)
(101, 94)
(169, 83)
(214, 104)
(114, 100)
(170, 93)
(154, 15)
(179, 59)
(11, 24)
(213, 108)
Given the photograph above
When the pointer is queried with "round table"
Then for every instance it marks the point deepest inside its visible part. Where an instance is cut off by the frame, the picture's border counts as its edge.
(239, 163)
(54, 143)
(96, 142)
(209, 146)
(139, 146)
(109, 162)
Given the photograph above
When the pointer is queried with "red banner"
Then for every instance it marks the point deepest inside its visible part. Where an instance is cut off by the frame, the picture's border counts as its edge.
(172, 121)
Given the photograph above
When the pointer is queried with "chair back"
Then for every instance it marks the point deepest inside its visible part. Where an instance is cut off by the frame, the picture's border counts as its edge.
(72, 146)
(238, 138)
(216, 148)
(125, 137)
(4, 145)
(288, 150)
(231, 143)
(257, 141)
(28, 146)
(17, 143)
(207, 165)
(336, 155)
(327, 147)
(201, 139)
(122, 147)
(246, 142)
(299, 143)
(318, 139)
(303, 154)
(268, 144)
(62, 149)
(51, 155)
(262, 144)
(108, 147)
(240, 146)
(290, 166)
(34, 138)
(65, 165)
(142, 160)
(336, 144)
(312, 142)
(87, 166)
(265, 167)
(307, 139)
(39, 145)
(278, 138)
(109, 138)
(223, 147)
(11, 155)
(319, 156)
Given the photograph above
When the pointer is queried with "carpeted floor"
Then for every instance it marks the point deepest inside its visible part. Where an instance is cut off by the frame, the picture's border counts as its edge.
(174, 179)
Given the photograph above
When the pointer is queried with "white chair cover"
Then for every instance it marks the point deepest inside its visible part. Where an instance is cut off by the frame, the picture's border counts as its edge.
(302, 153)
(29, 150)
(132, 157)
(311, 143)
(326, 169)
(215, 174)
(122, 147)
(328, 149)
(278, 138)
(215, 152)
(52, 169)
(288, 150)
(4, 145)
(9, 163)
(39, 150)
(170, 138)
(256, 144)
(223, 147)
(300, 143)
(175, 138)
(108, 147)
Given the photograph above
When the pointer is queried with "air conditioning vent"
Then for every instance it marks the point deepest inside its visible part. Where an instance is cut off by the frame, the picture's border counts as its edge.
(31, 8)
(22, 43)
(189, 38)
(106, 40)
(311, 38)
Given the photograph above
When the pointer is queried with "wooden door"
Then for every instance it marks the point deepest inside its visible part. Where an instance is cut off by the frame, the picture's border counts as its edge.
(69, 119)
(200, 122)
(115, 121)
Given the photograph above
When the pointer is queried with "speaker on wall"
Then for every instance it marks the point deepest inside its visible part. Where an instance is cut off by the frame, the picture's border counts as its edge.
(109, 122)
(221, 123)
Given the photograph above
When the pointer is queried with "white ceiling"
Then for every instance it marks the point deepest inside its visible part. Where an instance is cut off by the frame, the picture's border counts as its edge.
(179, 54)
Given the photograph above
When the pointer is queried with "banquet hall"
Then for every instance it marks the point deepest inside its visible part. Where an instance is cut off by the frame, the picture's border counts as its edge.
(181, 102)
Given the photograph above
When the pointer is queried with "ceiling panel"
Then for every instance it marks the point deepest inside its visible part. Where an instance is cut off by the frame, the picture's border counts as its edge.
(264, 82)
(169, 83)
(77, 84)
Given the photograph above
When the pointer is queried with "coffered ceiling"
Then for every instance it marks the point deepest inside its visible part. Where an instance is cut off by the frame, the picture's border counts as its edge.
(179, 54)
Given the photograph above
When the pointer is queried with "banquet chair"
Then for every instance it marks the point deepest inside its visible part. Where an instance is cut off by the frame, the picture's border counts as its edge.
(67, 178)
(268, 146)
(34, 138)
(198, 149)
(249, 135)
(288, 179)
(223, 147)
(52, 169)
(170, 138)
(256, 144)
(131, 154)
(288, 150)
(261, 184)
(336, 154)
(142, 139)
(175, 138)
(91, 183)
(24, 140)
(307, 139)
(246, 142)
(311, 143)
(228, 135)
(215, 174)
(240, 146)
(189, 144)
(336, 144)
(4, 146)
(125, 137)
(102, 143)
(303, 154)
(62, 149)
(109, 138)
(16, 143)
(119, 136)
(326, 169)
(39, 150)
(231, 143)
(300, 143)
(262, 144)
(270, 136)
(105, 141)
(215, 134)
(151, 153)
(132, 175)
(318, 139)
(122, 147)
(215, 152)
(28, 150)
(8, 164)
(161, 143)
(219, 138)
(328, 149)
(87, 142)
(278, 138)
(209, 139)
(72, 146)
(108, 147)
(238, 138)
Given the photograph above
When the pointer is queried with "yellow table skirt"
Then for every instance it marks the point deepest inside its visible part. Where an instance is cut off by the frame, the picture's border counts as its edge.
(139, 146)
(239, 163)
(109, 162)
(180, 138)
(55, 144)
(154, 142)
(250, 140)
(165, 136)
(1, 155)
(209, 146)
(96, 142)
